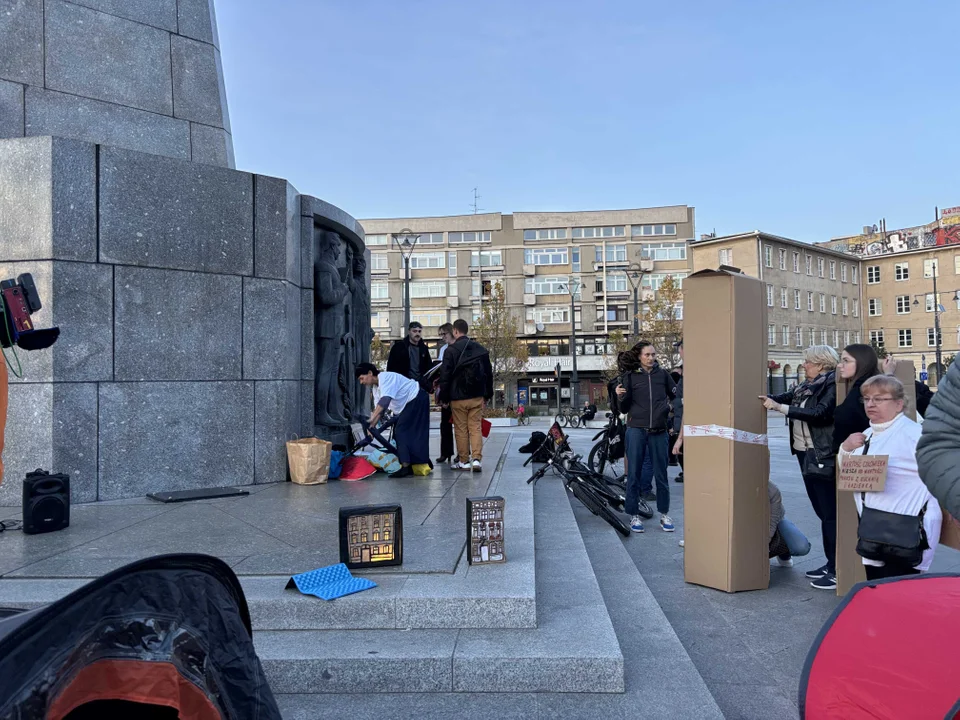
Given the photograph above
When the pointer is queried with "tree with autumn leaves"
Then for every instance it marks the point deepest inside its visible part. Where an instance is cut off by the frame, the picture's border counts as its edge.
(497, 331)
(663, 322)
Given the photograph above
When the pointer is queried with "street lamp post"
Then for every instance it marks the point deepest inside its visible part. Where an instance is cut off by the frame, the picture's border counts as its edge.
(573, 289)
(635, 275)
(937, 340)
(406, 240)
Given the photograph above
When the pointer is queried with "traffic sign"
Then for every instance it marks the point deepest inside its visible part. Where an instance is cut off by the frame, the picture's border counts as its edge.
(923, 376)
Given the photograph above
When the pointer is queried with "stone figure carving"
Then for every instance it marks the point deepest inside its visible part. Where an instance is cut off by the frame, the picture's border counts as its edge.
(348, 358)
(329, 328)
(362, 332)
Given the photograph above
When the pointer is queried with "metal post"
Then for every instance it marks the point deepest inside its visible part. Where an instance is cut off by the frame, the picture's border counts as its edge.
(406, 293)
(936, 318)
(636, 313)
(574, 379)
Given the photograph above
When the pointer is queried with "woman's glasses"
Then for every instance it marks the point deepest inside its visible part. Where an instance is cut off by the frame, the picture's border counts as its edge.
(874, 400)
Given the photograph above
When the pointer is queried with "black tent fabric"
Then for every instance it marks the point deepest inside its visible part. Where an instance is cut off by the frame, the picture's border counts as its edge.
(168, 636)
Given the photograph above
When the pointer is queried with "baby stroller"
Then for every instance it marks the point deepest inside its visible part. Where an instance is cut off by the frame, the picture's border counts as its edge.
(162, 638)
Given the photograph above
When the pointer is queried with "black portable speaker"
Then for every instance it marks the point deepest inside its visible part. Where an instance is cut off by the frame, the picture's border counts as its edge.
(46, 502)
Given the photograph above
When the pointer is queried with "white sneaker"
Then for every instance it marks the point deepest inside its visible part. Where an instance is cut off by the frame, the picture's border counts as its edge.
(666, 523)
(476, 466)
(461, 466)
(785, 563)
(681, 543)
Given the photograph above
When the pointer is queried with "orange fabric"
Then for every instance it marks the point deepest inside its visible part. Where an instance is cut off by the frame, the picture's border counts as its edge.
(467, 415)
(4, 399)
(140, 681)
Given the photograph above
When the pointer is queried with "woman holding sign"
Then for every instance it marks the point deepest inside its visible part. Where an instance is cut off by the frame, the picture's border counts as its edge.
(900, 523)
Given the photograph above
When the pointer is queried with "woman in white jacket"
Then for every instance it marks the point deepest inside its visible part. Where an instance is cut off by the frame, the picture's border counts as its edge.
(893, 434)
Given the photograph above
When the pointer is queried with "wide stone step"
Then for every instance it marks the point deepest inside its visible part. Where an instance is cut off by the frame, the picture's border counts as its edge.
(573, 649)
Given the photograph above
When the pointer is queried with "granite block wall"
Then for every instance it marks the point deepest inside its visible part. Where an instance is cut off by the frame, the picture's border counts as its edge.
(186, 352)
(143, 75)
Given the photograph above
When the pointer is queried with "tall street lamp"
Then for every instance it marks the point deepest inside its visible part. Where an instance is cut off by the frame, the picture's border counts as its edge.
(573, 286)
(406, 240)
(937, 311)
(635, 274)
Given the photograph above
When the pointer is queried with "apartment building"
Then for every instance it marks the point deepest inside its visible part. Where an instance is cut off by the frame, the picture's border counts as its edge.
(900, 309)
(813, 294)
(536, 257)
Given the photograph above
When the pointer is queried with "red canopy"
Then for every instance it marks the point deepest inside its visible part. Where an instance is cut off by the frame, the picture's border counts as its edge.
(891, 650)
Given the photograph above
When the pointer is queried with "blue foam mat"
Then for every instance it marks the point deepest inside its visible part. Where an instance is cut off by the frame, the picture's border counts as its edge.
(329, 582)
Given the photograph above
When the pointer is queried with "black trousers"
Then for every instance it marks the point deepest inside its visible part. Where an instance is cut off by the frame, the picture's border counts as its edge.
(823, 497)
(889, 570)
(446, 433)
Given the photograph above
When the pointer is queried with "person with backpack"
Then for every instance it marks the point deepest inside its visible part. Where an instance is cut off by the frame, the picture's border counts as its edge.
(466, 382)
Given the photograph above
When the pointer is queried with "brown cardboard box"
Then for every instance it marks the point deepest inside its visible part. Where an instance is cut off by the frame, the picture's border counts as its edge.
(726, 506)
(850, 565)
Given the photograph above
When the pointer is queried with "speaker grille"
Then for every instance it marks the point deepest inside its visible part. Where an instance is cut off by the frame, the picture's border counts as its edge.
(48, 512)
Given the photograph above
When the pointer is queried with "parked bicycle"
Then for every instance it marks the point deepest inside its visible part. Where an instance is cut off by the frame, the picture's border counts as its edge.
(606, 456)
(571, 417)
(599, 494)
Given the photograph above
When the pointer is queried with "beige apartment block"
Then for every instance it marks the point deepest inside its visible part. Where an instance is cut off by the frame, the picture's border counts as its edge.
(535, 256)
(813, 294)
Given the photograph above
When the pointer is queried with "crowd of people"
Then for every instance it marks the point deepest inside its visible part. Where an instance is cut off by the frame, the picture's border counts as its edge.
(899, 525)
(462, 382)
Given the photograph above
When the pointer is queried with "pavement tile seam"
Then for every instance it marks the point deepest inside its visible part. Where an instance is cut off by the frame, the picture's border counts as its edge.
(253, 528)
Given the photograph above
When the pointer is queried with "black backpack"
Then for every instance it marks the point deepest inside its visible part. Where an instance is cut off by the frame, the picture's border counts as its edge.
(538, 446)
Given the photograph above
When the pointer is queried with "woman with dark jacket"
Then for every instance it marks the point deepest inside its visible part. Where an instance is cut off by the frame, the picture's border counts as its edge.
(858, 363)
(810, 407)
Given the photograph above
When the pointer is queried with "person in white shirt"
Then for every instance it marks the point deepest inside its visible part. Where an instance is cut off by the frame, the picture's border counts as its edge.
(406, 399)
(893, 434)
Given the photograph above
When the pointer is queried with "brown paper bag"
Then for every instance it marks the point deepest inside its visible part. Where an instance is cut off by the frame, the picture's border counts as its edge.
(309, 460)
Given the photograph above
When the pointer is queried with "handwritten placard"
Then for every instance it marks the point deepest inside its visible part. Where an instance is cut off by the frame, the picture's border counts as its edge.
(863, 473)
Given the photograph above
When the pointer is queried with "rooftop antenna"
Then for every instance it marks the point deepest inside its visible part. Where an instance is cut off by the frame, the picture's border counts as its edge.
(475, 205)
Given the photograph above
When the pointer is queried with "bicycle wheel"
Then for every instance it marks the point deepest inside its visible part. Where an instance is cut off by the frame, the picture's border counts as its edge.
(644, 510)
(598, 507)
(574, 421)
(560, 419)
(597, 459)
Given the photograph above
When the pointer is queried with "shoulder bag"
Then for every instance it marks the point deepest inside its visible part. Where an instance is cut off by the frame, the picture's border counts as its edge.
(890, 537)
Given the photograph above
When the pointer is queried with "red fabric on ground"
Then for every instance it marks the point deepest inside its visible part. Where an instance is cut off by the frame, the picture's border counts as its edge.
(356, 468)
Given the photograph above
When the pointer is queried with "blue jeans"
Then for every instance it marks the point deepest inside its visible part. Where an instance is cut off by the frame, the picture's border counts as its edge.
(646, 474)
(640, 445)
(796, 541)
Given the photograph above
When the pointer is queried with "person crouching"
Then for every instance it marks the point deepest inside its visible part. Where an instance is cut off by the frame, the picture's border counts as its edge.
(411, 403)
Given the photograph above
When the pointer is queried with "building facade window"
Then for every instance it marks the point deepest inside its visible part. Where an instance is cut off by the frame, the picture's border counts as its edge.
(770, 296)
(843, 272)
(956, 264)
(820, 265)
(873, 274)
(486, 258)
(653, 281)
(810, 301)
(783, 262)
(768, 257)
(823, 304)
(548, 315)
(452, 263)
(428, 289)
(771, 334)
(615, 283)
(796, 299)
(929, 304)
(905, 338)
(422, 239)
(856, 307)
(429, 318)
(427, 261)
(575, 258)
(874, 307)
(380, 320)
(903, 304)
(379, 261)
(796, 262)
(376, 240)
(844, 306)
(784, 302)
(901, 271)
(664, 251)
(615, 253)
(833, 269)
(613, 313)
(469, 237)
(855, 274)
(785, 335)
(836, 339)
(726, 256)
(808, 261)
(929, 268)
(833, 304)
(545, 234)
(799, 337)
(545, 256)
(876, 338)
(546, 285)
(823, 337)
(600, 232)
(379, 291)
(932, 337)
(649, 230)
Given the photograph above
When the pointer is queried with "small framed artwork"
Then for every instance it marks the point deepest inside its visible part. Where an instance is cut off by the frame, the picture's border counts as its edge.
(371, 536)
(485, 530)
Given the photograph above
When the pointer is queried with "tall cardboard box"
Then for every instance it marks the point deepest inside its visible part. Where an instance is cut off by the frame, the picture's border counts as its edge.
(726, 460)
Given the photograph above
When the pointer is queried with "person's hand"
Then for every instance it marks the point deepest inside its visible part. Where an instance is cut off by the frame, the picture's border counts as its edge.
(857, 440)
(889, 365)
(678, 445)
(621, 391)
(769, 403)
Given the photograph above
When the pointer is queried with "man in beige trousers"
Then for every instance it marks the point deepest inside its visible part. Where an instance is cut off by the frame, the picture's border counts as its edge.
(466, 382)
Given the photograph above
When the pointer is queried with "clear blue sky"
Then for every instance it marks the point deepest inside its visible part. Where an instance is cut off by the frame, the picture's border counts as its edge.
(806, 119)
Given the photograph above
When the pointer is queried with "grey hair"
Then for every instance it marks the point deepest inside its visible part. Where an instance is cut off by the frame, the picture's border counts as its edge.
(885, 383)
(822, 355)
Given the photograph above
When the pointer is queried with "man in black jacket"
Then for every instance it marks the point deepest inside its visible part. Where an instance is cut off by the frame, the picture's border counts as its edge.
(410, 357)
(466, 382)
(646, 395)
